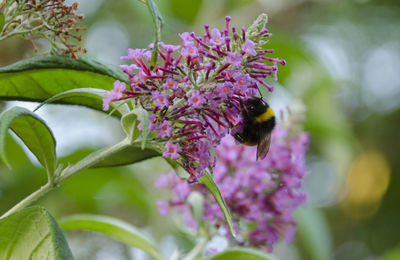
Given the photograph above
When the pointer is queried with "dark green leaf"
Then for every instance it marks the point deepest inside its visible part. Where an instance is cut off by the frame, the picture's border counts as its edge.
(65, 62)
(40, 78)
(32, 233)
(213, 188)
(242, 253)
(114, 228)
(33, 131)
(94, 94)
(128, 154)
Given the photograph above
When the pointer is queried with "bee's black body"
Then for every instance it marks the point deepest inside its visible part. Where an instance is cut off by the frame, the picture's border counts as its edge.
(258, 123)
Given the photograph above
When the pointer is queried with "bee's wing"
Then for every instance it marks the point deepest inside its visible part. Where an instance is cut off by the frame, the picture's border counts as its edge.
(263, 146)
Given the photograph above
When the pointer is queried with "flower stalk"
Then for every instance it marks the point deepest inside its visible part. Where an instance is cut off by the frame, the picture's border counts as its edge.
(51, 20)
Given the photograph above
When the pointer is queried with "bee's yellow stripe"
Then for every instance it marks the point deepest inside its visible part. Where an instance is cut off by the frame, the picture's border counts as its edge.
(267, 115)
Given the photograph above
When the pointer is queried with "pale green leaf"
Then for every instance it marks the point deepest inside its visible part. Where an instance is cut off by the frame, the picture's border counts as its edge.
(114, 228)
(314, 233)
(242, 253)
(195, 199)
(129, 123)
(208, 181)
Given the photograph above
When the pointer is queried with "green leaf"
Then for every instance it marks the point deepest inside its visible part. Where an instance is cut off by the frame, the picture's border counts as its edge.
(114, 228)
(242, 253)
(40, 78)
(184, 238)
(33, 131)
(93, 94)
(314, 234)
(213, 188)
(2, 21)
(195, 199)
(32, 233)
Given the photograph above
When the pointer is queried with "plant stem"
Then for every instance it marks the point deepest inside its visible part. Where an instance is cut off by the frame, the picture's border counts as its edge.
(68, 172)
(91, 160)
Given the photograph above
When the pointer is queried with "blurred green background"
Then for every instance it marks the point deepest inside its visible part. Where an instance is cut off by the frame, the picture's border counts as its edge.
(342, 78)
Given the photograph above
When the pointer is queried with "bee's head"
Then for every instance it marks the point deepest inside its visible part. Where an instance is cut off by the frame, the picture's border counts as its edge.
(255, 106)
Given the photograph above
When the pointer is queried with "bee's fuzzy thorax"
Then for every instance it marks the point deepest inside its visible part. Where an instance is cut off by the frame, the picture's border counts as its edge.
(267, 115)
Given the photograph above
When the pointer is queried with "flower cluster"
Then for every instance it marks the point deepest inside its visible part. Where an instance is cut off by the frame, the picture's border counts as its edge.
(52, 20)
(194, 97)
(261, 194)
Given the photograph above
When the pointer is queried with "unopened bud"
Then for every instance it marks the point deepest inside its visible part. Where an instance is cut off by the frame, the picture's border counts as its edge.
(253, 32)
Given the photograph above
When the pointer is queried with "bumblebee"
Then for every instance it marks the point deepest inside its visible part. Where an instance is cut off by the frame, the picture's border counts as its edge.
(258, 123)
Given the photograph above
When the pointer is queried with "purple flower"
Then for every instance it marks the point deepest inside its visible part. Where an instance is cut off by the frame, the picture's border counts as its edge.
(163, 208)
(135, 80)
(170, 84)
(108, 97)
(248, 47)
(224, 90)
(128, 68)
(152, 125)
(189, 50)
(118, 88)
(195, 95)
(275, 71)
(172, 150)
(186, 38)
(260, 193)
(197, 99)
(169, 48)
(134, 54)
(165, 129)
(242, 84)
(113, 94)
(160, 99)
(230, 75)
(216, 37)
(235, 59)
